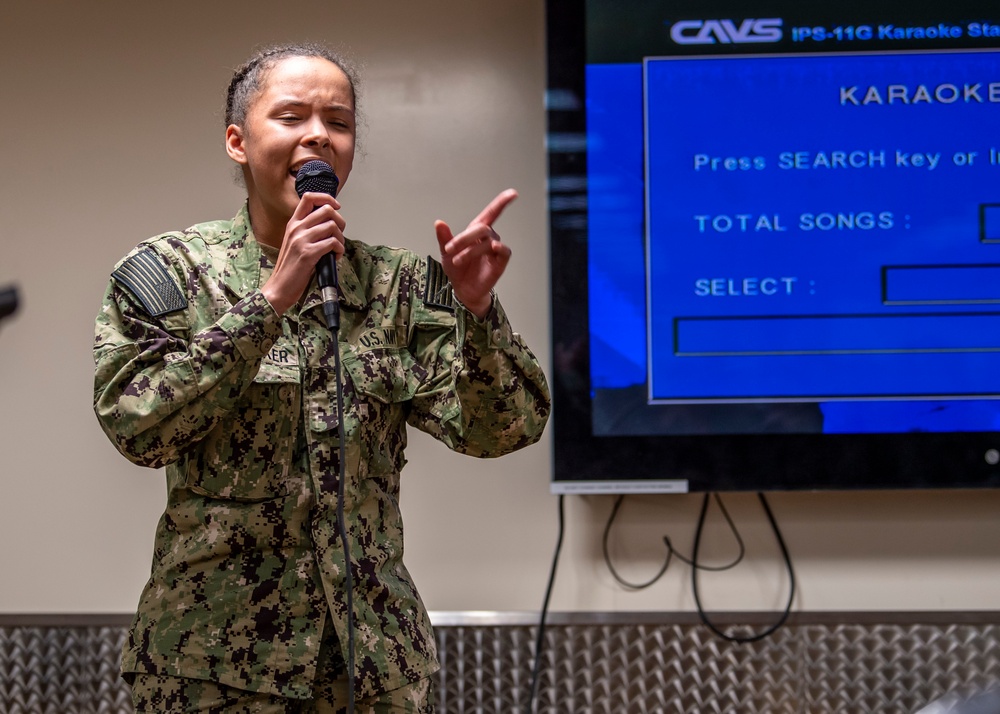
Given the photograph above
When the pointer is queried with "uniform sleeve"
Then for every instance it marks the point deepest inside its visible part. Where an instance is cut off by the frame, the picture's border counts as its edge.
(158, 389)
(485, 393)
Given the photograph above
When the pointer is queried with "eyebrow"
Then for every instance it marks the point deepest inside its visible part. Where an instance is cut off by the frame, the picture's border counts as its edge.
(290, 102)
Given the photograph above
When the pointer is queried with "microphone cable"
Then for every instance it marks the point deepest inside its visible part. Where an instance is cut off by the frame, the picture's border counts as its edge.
(320, 177)
(341, 523)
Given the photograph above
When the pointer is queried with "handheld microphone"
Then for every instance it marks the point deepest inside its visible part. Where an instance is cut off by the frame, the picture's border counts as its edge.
(319, 177)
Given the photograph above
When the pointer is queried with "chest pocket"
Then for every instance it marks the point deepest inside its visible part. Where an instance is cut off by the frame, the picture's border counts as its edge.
(246, 457)
(383, 382)
(384, 375)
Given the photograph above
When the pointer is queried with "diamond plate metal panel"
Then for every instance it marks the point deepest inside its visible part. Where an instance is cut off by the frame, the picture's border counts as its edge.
(591, 668)
(62, 671)
(638, 669)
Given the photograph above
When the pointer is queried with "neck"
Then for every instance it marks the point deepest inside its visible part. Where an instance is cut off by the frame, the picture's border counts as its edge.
(266, 229)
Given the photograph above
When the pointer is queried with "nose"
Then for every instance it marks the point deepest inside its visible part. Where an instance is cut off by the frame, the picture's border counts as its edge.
(316, 134)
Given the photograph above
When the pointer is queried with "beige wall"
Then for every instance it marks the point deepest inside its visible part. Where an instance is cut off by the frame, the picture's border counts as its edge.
(110, 131)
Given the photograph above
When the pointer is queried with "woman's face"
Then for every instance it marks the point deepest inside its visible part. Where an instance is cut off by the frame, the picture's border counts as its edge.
(304, 111)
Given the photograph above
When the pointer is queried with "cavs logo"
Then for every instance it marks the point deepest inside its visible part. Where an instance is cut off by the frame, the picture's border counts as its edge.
(710, 32)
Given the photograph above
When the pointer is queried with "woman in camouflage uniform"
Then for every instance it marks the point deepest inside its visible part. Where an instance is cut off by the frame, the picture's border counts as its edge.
(213, 359)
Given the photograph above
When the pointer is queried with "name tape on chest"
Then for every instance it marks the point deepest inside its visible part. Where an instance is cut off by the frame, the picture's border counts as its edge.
(145, 276)
(378, 338)
(282, 356)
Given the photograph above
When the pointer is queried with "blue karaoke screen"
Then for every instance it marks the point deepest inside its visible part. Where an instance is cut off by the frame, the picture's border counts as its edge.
(818, 233)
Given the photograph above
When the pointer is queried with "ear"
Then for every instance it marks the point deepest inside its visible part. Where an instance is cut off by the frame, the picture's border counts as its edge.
(236, 144)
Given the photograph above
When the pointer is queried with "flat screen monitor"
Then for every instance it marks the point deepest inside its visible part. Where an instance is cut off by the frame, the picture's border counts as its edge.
(775, 244)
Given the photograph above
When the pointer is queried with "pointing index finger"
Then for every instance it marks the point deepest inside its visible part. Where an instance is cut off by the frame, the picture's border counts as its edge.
(492, 212)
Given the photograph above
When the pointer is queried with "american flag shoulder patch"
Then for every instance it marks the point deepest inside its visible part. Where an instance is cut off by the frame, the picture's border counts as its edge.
(437, 290)
(145, 276)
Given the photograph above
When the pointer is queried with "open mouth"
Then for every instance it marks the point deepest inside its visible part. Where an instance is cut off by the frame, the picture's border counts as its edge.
(297, 166)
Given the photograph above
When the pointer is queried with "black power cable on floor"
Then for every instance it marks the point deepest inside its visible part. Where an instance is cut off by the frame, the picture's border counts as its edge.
(540, 635)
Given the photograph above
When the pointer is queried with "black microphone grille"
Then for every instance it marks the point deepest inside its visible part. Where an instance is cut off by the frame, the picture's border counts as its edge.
(317, 177)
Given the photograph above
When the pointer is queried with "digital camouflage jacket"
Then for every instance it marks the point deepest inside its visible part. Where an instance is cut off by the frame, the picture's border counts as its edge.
(196, 372)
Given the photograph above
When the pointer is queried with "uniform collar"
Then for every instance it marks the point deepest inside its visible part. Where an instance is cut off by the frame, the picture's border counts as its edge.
(351, 292)
(242, 271)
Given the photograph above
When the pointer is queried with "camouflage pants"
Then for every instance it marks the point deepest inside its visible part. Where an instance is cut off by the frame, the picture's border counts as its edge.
(158, 694)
